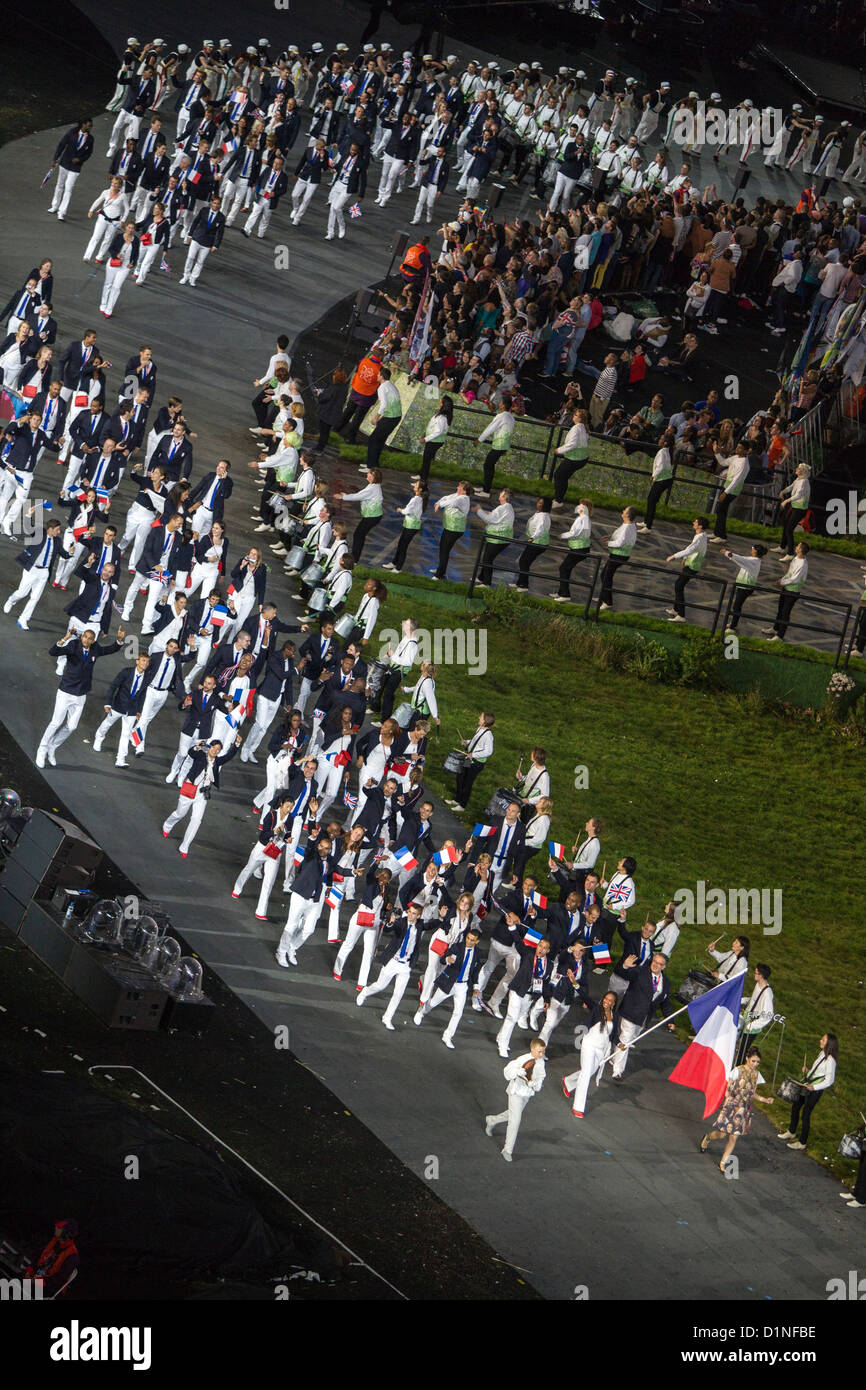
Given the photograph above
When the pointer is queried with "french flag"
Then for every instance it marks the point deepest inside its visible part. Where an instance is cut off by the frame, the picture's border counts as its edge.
(334, 896)
(480, 829)
(298, 858)
(539, 900)
(557, 851)
(601, 953)
(707, 1061)
(532, 936)
(405, 858)
(136, 737)
(218, 614)
(445, 856)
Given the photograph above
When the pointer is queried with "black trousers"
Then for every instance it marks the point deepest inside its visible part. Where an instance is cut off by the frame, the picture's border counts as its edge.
(806, 1104)
(742, 593)
(859, 1193)
(721, 525)
(683, 579)
(860, 632)
(324, 436)
(791, 518)
(352, 417)
(787, 599)
(654, 496)
(263, 410)
(563, 475)
(376, 441)
(465, 782)
(447, 542)
(490, 462)
(362, 531)
(607, 574)
(572, 559)
(528, 557)
(406, 536)
(431, 449)
(488, 557)
(390, 686)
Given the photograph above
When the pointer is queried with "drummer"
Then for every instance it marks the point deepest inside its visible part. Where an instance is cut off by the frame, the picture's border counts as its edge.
(857, 1198)
(534, 783)
(479, 750)
(731, 963)
(816, 1079)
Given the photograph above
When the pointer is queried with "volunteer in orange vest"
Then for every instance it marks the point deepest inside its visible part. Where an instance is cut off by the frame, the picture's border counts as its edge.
(365, 386)
(416, 264)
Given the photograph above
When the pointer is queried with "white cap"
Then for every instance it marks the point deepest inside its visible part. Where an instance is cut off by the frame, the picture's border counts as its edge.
(563, 72)
(748, 102)
(494, 67)
(252, 51)
(183, 48)
(631, 81)
(316, 48)
(386, 48)
(715, 96)
(263, 43)
(159, 43)
(523, 67)
(665, 85)
(208, 43)
(342, 48)
(536, 67)
(293, 48)
(226, 43)
(819, 120)
(610, 73)
(693, 96)
(427, 58)
(580, 74)
(407, 53)
(132, 41)
(796, 106)
(848, 202)
(845, 125)
(452, 58)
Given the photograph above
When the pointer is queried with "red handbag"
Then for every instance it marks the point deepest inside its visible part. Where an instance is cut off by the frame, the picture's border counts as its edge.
(115, 261)
(147, 239)
(365, 918)
(439, 947)
(273, 851)
(189, 789)
(342, 759)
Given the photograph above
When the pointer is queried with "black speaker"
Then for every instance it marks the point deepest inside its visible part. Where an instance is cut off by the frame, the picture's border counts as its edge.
(184, 1016)
(494, 197)
(362, 301)
(11, 910)
(19, 882)
(400, 245)
(55, 853)
(743, 176)
(47, 939)
(119, 991)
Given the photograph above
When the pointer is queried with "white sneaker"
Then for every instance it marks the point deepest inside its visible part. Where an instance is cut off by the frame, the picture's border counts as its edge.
(604, 607)
(97, 747)
(448, 1043)
(788, 1134)
(51, 758)
(506, 1155)
(121, 762)
(7, 607)
(24, 626)
(293, 959)
(675, 618)
(418, 1018)
(388, 1024)
(362, 995)
(40, 757)
(280, 957)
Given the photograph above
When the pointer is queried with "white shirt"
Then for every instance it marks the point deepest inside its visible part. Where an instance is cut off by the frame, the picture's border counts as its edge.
(822, 1072)
(577, 438)
(437, 428)
(730, 965)
(581, 526)
(760, 1008)
(537, 526)
(588, 854)
(368, 610)
(480, 746)
(516, 1076)
(798, 568)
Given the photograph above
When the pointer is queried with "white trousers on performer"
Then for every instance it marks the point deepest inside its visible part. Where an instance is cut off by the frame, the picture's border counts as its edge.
(153, 703)
(184, 743)
(337, 200)
(259, 212)
(627, 1034)
(195, 806)
(496, 955)
(64, 720)
(127, 724)
(391, 170)
(237, 197)
(510, 1117)
(591, 1058)
(142, 203)
(265, 711)
(115, 277)
(97, 246)
(202, 521)
(301, 921)
(301, 195)
(32, 584)
(516, 1013)
(398, 972)
(146, 260)
(138, 523)
(426, 199)
(367, 936)
(195, 259)
(63, 191)
(457, 997)
(270, 866)
(553, 1016)
(17, 501)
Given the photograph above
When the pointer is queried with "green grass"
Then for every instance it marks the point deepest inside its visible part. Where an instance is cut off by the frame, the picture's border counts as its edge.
(401, 462)
(694, 785)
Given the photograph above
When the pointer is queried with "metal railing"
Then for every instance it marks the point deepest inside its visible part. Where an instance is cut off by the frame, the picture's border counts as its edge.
(808, 602)
(845, 417)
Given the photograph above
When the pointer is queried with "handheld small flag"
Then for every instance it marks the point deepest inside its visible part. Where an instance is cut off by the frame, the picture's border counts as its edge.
(349, 800)
(355, 210)
(480, 830)
(298, 858)
(539, 900)
(557, 851)
(601, 953)
(318, 714)
(103, 497)
(445, 856)
(164, 265)
(532, 936)
(405, 858)
(334, 896)
(47, 177)
(219, 614)
(136, 737)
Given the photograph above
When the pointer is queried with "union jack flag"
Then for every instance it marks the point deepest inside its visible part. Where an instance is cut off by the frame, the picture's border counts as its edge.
(355, 210)
(349, 800)
(618, 893)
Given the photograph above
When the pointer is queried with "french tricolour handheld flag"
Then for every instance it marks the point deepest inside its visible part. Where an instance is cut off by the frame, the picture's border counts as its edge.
(708, 1059)
(480, 829)
(601, 953)
(218, 614)
(405, 858)
(136, 737)
(532, 936)
(334, 897)
(539, 900)
(298, 858)
(445, 856)
(557, 851)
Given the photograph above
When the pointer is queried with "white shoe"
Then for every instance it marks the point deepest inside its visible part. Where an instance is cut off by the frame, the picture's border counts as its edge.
(40, 757)
(856, 1204)
(24, 626)
(7, 607)
(418, 1018)
(388, 1024)
(506, 1155)
(290, 952)
(362, 995)
(280, 957)
(121, 762)
(51, 758)
(604, 607)
(788, 1134)
(503, 1055)
(183, 280)
(448, 1043)
(97, 747)
(675, 618)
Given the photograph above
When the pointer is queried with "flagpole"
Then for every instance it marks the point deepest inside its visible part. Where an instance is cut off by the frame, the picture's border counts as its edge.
(669, 1019)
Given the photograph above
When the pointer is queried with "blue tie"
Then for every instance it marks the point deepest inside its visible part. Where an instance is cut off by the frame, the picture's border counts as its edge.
(502, 852)
(465, 966)
(404, 943)
(46, 556)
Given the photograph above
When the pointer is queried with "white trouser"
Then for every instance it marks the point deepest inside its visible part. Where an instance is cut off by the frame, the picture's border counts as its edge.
(65, 567)
(115, 276)
(183, 120)
(329, 786)
(265, 711)
(97, 246)
(23, 484)
(397, 971)
(203, 651)
(856, 168)
(184, 743)
(124, 119)
(32, 584)
(7, 487)
(139, 582)
(457, 997)
(303, 694)
(195, 806)
(337, 200)
(202, 521)
(156, 591)
(516, 1012)
(434, 961)
(627, 1034)
(591, 1058)
(496, 955)
(391, 169)
(270, 868)
(301, 195)
(301, 921)
(510, 1117)
(383, 135)
(562, 191)
(426, 199)
(152, 441)
(553, 1015)
(276, 774)
(146, 260)
(646, 125)
(63, 190)
(142, 202)
(472, 187)
(259, 212)
(195, 259)
(243, 606)
(367, 936)
(64, 720)
(127, 724)
(138, 522)
(153, 702)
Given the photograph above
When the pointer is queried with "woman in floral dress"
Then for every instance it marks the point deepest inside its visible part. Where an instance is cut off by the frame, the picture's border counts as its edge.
(735, 1116)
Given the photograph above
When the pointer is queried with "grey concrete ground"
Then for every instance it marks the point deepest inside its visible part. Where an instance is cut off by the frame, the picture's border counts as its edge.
(561, 1212)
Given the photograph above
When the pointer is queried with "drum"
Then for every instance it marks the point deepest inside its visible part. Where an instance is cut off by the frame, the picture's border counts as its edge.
(345, 626)
(455, 761)
(318, 601)
(297, 557)
(403, 713)
(853, 1145)
(696, 983)
(292, 526)
(499, 802)
(376, 673)
(791, 1090)
(311, 575)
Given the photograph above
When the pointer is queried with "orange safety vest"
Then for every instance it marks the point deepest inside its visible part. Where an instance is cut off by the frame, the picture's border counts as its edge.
(414, 259)
(366, 378)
